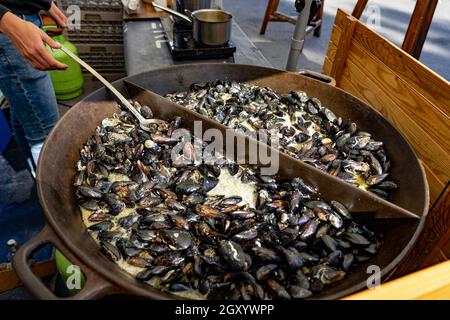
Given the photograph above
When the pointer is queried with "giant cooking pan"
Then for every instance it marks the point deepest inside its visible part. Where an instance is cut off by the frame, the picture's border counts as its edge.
(66, 230)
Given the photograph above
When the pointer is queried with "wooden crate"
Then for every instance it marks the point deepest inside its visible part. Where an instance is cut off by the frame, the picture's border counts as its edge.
(417, 101)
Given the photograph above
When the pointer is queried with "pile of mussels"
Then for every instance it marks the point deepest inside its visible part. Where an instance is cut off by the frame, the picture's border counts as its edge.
(306, 129)
(164, 223)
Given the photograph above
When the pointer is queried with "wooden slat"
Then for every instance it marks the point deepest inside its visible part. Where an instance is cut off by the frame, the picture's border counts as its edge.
(424, 113)
(436, 186)
(370, 91)
(332, 48)
(417, 100)
(421, 78)
(433, 238)
(9, 279)
(431, 283)
(343, 48)
(327, 66)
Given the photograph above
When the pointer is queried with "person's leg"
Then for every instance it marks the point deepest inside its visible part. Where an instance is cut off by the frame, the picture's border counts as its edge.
(29, 93)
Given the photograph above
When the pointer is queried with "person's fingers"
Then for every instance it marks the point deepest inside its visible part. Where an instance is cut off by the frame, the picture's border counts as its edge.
(35, 62)
(62, 18)
(48, 40)
(31, 54)
(58, 16)
(52, 63)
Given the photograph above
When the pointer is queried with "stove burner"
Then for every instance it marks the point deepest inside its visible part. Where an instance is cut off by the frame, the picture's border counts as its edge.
(183, 47)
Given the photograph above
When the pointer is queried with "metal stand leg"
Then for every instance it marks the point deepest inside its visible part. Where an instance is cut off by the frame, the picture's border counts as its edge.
(298, 39)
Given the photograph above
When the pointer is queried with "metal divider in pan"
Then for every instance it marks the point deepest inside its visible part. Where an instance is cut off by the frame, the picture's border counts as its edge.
(359, 202)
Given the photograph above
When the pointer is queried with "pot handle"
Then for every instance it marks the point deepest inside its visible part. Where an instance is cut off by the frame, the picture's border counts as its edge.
(318, 76)
(95, 287)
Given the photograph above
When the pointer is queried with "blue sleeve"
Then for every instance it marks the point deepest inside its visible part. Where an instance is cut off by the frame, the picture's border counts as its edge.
(3, 10)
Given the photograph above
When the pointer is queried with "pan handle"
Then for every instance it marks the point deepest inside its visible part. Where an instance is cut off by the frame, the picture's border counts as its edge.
(95, 287)
(318, 76)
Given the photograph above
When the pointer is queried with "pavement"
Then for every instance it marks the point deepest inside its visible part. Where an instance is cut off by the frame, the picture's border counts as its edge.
(393, 22)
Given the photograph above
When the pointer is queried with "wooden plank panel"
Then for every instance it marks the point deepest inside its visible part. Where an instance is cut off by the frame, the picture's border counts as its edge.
(435, 185)
(331, 54)
(412, 286)
(408, 100)
(373, 90)
(429, 151)
(9, 279)
(327, 66)
(421, 78)
(433, 237)
(342, 50)
(335, 34)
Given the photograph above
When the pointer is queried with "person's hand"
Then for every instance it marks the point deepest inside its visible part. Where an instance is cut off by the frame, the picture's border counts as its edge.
(29, 40)
(58, 16)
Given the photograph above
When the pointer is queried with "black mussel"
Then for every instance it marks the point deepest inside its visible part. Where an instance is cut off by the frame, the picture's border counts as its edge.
(329, 242)
(127, 249)
(245, 235)
(108, 236)
(265, 271)
(208, 212)
(91, 205)
(266, 254)
(141, 262)
(146, 234)
(89, 192)
(292, 257)
(347, 261)
(146, 112)
(101, 226)
(99, 216)
(128, 221)
(178, 239)
(310, 229)
(209, 183)
(376, 179)
(187, 187)
(356, 238)
(115, 204)
(175, 205)
(387, 185)
(317, 204)
(233, 254)
(341, 209)
(326, 274)
(334, 258)
(298, 292)
(277, 289)
(110, 250)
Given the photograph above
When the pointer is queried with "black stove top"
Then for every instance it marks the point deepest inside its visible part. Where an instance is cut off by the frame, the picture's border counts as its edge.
(183, 47)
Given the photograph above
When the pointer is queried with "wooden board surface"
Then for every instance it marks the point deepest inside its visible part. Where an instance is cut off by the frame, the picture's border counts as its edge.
(9, 279)
(429, 284)
(399, 87)
(417, 101)
(146, 11)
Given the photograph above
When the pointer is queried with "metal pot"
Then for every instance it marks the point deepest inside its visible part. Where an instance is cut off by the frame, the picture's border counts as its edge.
(60, 153)
(192, 5)
(210, 27)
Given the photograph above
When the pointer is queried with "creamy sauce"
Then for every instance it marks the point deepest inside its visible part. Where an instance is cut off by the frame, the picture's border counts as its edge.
(232, 186)
(361, 182)
(133, 270)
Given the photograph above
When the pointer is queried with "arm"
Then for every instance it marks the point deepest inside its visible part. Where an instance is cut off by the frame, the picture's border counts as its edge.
(29, 41)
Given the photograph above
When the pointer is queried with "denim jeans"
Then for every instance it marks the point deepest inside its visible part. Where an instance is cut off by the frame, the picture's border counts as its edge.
(30, 95)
